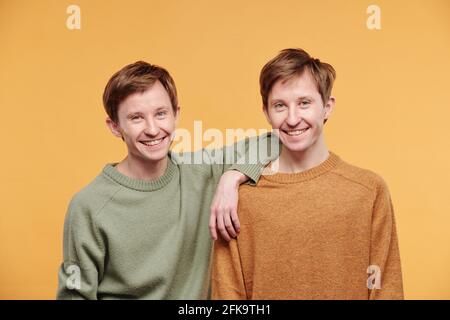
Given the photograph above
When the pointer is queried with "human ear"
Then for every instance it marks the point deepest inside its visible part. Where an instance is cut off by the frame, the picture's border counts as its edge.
(114, 127)
(328, 107)
(177, 115)
(266, 113)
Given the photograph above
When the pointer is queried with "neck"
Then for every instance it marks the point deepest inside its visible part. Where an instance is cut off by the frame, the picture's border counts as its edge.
(293, 162)
(142, 170)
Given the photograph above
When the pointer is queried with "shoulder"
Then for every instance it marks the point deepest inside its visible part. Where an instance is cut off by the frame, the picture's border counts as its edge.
(198, 163)
(364, 177)
(89, 200)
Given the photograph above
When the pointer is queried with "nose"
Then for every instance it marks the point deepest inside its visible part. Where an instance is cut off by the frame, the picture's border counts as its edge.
(293, 117)
(151, 129)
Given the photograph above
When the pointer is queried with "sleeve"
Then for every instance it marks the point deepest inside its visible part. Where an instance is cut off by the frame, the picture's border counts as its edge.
(248, 156)
(385, 275)
(227, 280)
(83, 253)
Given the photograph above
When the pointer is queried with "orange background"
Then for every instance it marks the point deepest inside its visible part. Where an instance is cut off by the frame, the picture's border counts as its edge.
(391, 115)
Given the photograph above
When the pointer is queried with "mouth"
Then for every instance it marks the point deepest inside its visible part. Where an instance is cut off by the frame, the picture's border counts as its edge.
(153, 142)
(296, 133)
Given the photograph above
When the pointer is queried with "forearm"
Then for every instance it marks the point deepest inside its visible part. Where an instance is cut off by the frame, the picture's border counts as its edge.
(248, 156)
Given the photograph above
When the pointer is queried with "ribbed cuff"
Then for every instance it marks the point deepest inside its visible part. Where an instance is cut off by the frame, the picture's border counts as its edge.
(252, 171)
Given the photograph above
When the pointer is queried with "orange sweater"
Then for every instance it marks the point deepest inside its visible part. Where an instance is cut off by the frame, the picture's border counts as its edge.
(312, 235)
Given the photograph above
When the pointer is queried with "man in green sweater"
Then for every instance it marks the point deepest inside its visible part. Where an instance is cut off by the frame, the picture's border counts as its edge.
(139, 230)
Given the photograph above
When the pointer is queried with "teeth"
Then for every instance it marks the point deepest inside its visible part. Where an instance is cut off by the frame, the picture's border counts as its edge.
(296, 132)
(152, 142)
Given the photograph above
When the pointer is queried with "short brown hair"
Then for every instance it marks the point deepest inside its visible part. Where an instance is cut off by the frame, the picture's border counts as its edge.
(136, 77)
(292, 62)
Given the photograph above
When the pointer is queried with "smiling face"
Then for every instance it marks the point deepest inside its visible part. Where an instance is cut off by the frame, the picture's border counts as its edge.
(146, 122)
(296, 109)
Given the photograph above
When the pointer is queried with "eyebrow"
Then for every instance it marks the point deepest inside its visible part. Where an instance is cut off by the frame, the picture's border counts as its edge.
(274, 101)
(162, 108)
(305, 98)
(134, 113)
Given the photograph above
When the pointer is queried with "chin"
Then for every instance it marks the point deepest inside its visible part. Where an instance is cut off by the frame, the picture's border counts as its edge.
(157, 156)
(153, 156)
(296, 147)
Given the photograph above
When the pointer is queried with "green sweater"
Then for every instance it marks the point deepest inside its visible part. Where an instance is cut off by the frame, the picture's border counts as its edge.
(133, 239)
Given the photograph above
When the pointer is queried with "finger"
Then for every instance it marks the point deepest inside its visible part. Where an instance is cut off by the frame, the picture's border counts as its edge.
(212, 223)
(221, 226)
(235, 220)
(228, 224)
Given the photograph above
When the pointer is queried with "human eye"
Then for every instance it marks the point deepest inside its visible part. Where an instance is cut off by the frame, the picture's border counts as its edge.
(278, 106)
(135, 117)
(161, 114)
(305, 104)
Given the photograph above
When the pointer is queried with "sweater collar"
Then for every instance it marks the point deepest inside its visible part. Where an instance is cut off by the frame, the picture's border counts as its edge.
(141, 185)
(309, 174)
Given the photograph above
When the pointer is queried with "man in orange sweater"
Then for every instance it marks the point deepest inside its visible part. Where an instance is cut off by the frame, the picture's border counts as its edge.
(314, 227)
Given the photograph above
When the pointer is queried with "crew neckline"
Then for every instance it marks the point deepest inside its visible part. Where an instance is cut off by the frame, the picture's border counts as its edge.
(111, 171)
(324, 167)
